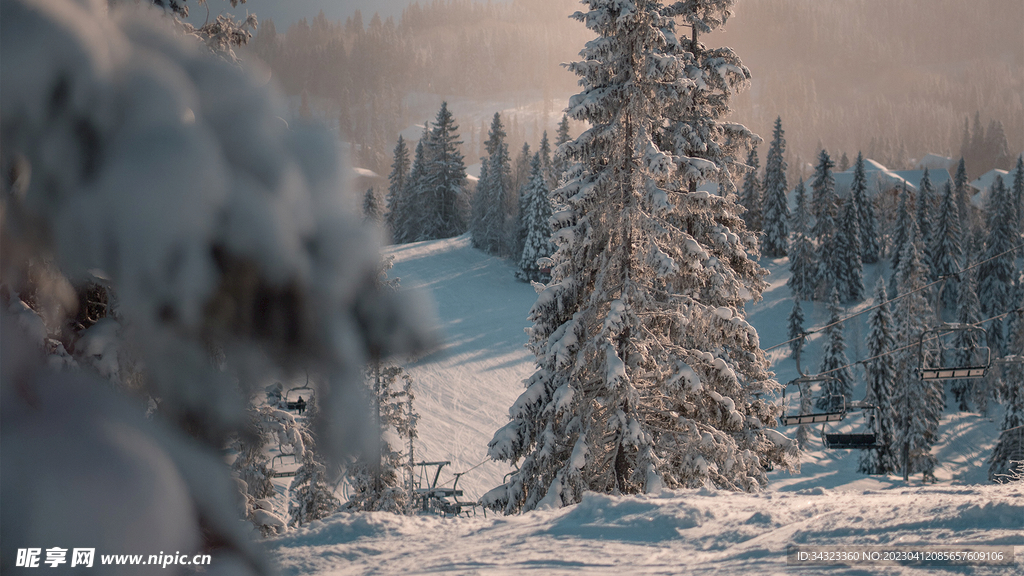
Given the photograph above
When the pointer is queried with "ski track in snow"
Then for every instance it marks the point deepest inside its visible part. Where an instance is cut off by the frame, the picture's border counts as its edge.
(463, 392)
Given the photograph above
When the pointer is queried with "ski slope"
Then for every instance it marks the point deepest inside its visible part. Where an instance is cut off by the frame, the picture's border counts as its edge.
(464, 390)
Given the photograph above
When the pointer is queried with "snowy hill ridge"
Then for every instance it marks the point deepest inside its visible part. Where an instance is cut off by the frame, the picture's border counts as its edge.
(463, 393)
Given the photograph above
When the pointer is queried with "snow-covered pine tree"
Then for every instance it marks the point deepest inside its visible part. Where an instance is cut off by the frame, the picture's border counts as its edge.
(900, 236)
(372, 210)
(947, 250)
(997, 275)
(795, 330)
(925, 208)
(750, 194)
(775, 206)
(824, 204)
(963, 199)
(398, 188)
(835, 393)
(416, 192)
(866, 221)
(803, 260)
(1017, 191)
(968, 312)
(445, 180)
(379, 478)
(851, 268)
(537, 226)
(494, 194)
(881, 373)
(312, 496)
(919, 403)
(1010, 447)
(559, 160)
(648, 375)
(545, 161)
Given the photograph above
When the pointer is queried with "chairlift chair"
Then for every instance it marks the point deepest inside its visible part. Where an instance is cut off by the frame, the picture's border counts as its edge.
(814, 418)
(283, 470)
(292, 397)
(434, 498)
(848, 441)
(935, 347)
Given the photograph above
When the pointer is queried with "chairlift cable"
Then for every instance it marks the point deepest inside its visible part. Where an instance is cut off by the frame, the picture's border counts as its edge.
(895, 298)
(900, 349)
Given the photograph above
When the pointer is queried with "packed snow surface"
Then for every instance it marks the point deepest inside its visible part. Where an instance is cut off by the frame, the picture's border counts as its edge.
(464, 391)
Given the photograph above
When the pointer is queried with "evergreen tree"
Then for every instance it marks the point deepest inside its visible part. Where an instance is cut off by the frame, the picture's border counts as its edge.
(919, 402)
(844, 163)
(881, 374)
(925, 207)
(803, 263)
(537, 226)
(379, 477)
(963, 198)
(560, 162)
(494, 194)
(398, 188)
(545, 161)
(965, 343)
(750, 195)
(947, 251)
(851, 271)
(372, 211)
(1010, 447)
(1017, 192)
(866, 221)
(998, 274)
(312, 496)
(795, 330)
(416, 195)
(825, 206)
(445, 180)
(648, 375)
(835, 393)
(901, 235)
(775, 207)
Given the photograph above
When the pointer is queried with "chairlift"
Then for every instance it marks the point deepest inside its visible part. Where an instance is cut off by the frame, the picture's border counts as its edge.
(281, 468)
(814, 418)
(850, 441)
(299, 397)
(937, 348)
(438, 499)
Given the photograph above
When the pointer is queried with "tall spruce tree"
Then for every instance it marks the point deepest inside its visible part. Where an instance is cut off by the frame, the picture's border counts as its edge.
(545, 161)
(416, 194)
(559, 160)
(963, 198)
(494, 194)
(398, 188)
(965, 343)
(1017, 191)
(803, 261)
(947, 249)
(372, 211)
(919, 402)
(537, 227)
(795, 332)
(775, 206)
(901, 235)
(1011, 442)
(997, 274)
(851, 267)
(648, 375)
(750, 194)
(881, 374)
(866, 221)
(925, 208)
(825, 205)
(445, 180)
(835, 392)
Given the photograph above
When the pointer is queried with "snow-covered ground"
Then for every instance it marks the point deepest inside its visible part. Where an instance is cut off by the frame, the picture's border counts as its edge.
(463, 394)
